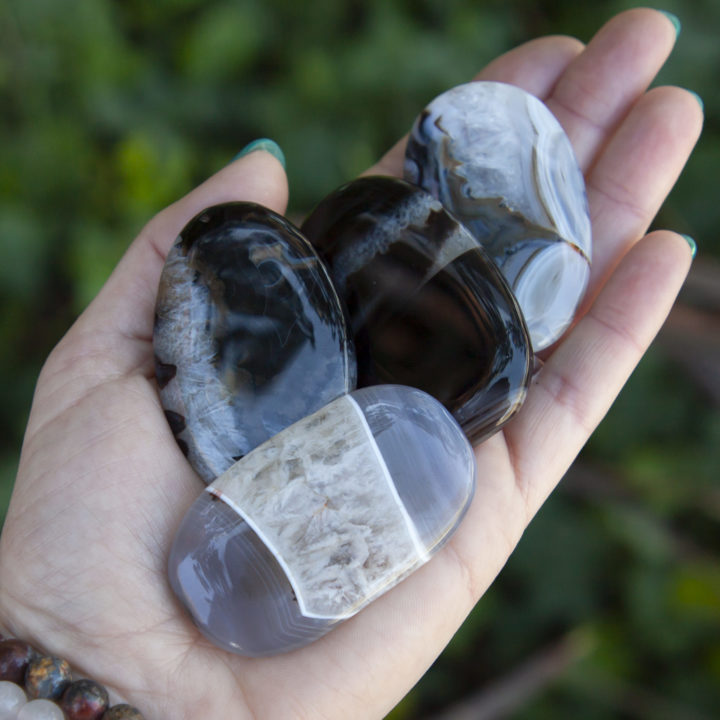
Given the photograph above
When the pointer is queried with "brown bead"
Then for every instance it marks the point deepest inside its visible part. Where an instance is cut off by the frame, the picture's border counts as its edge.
(123, 712)
(15, 656)
(47, 677)
(84, 700)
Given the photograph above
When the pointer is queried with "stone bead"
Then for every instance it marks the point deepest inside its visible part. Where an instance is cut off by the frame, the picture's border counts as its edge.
(499, 161)
(426, 306)
(123, 712)
(249, 335)
(47, 677)
(84, 700)
(321, 519)
(41, 710)
(12, 698)
(15, 656)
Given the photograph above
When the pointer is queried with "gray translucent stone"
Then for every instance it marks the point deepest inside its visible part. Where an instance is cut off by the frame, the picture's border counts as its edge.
(318, 521)
(497, 158)
(249, 334)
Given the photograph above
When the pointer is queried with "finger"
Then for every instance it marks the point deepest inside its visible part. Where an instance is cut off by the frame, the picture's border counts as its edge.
(635, 173)
(600, 86)
(575, 388)
(124, 308)
(534, 66)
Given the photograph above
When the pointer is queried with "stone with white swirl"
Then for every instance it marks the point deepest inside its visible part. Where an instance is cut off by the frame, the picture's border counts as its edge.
(249, 334)
(426, 305)
(497, 159)
(321, 519)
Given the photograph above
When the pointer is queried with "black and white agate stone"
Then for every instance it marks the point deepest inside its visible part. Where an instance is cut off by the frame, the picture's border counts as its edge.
(426, 306)
(318, 521)
(497, 159)
(249, 334)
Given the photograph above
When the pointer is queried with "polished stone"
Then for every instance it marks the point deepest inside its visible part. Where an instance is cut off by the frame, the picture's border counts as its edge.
(15, 656)
(12, 698)
(426, 306)
(123, 712)
(497, 158)
(315, 523)
(47, 677)
(84, 700)
(41, 710)
(249, 335)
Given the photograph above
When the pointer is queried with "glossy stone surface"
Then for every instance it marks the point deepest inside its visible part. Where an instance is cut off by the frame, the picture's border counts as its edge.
(123, 712)
(84, 700)
(15, 656)
(249, 335)
(41, 710)
(315, 523)
(47, 677)
(497, 158)
(427, 307)
(12, 698)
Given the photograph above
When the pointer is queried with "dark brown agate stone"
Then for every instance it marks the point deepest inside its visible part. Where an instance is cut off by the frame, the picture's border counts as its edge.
(249, 336)
(15, 656)
(84, 700)
(426, 305)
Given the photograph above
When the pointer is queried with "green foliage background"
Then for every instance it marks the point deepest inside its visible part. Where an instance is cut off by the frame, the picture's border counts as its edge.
(110, 110)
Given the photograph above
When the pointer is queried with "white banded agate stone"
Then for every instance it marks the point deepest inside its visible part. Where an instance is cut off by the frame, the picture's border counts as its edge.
(321, 519)
(499, 161)
(249, 334)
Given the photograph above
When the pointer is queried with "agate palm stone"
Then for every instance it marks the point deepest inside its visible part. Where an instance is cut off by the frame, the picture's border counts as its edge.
(426, 306)
(321, 519)
(497, 159)
(249, 334)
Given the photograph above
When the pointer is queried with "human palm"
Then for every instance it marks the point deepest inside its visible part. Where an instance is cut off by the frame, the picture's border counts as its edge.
(102, 485)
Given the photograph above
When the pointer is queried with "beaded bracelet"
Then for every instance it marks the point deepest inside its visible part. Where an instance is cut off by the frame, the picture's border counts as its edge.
(34, 686)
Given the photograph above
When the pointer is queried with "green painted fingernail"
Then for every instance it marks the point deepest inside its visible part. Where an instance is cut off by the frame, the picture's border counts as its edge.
(265, 144)
(692, 244)
(698, 98)
(674, 20)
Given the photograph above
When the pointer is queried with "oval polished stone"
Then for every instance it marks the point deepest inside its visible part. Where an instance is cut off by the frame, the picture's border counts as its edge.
(321, 519)
(249, 335)
(427, 307)
(497, 158)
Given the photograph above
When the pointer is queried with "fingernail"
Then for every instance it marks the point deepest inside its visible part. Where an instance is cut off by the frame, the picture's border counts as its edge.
(691, 243)
(698, 98)
(674, 20)
(265, 144)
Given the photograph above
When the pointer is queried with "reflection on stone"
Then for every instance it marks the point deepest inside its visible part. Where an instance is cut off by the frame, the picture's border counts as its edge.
(497, 158)
(318, 521)
(427, 307)
(249, 334)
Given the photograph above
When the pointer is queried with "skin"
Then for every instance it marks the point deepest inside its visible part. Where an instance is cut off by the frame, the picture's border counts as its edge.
(102, 485)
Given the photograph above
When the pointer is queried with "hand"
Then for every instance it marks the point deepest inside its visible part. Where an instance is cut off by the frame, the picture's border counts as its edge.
(102, 485)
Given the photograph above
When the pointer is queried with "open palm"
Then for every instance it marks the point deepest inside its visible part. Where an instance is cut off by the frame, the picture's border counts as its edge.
(102, 485)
